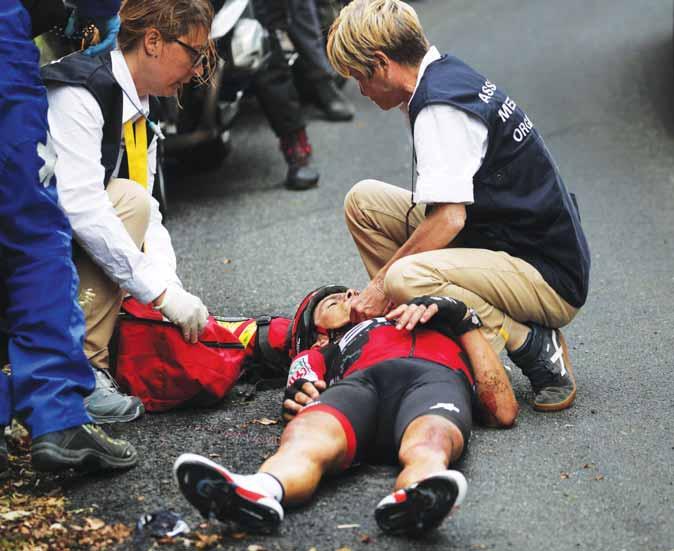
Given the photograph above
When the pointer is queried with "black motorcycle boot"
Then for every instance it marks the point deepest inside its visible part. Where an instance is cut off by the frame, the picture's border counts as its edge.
(297, 152)
(331, 101)
(4, 454)
(83, 448)
(544, 359)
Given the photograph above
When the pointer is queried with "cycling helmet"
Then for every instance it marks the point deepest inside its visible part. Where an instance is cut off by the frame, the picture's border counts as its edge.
(303, 330)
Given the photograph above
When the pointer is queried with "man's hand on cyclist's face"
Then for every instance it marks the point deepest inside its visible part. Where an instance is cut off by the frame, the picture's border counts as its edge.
(372, 302)
(333, 311)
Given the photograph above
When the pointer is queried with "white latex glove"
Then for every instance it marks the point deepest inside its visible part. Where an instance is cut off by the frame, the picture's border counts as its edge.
(185, 310)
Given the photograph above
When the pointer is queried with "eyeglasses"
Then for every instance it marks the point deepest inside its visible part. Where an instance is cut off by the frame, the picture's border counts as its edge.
(198, 58)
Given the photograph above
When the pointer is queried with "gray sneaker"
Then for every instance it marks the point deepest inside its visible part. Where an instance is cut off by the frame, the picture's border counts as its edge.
(107, 403)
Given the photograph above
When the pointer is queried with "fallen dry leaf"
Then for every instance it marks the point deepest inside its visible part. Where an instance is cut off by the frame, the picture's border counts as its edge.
(256, 548)
(19, 435)
(365, 538)
(563, 475)
(13, 515)
(41, 520)
(588, 466)
(238, 535)
(94, 523)
(264, 421)
(599, 477)
(342, 526)
(205, 540)
(226, 261)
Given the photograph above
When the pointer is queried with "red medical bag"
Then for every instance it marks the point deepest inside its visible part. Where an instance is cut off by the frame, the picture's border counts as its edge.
(154, 362)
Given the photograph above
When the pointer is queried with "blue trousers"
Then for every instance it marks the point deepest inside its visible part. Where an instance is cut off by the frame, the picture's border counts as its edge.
(43, 323)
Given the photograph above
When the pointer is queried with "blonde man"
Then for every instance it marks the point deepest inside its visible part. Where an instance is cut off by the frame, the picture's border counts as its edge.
(488, 221)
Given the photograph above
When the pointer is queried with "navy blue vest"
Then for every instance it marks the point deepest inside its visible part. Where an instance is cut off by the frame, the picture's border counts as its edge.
(95, 74)
(521, 204)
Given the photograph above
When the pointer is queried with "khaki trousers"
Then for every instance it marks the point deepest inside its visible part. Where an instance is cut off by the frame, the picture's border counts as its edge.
(101, 297)
(500, 287)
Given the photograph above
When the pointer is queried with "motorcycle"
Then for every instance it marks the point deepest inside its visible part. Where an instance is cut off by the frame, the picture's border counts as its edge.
(197, 125)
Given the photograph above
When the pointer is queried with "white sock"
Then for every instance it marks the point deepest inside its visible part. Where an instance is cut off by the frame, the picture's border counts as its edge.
(262, 483)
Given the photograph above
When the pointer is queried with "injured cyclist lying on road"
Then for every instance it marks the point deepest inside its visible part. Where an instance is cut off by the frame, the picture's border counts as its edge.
(401, 388)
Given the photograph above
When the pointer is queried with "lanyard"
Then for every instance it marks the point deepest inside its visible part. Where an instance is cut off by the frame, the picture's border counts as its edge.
(136, 150)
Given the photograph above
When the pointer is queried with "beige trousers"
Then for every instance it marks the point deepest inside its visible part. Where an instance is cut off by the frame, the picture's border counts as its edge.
(500, 287)
(101, 297)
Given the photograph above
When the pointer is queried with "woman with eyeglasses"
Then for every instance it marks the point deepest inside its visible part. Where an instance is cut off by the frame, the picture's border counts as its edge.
(103, 128)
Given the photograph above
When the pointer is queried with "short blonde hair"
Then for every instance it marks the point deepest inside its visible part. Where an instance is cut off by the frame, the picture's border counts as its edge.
(366, 26)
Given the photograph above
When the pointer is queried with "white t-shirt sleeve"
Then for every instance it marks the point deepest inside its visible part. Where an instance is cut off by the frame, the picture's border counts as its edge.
(450, 146)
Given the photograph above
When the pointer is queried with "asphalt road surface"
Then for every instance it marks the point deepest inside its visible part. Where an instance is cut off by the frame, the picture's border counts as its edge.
(595, 77)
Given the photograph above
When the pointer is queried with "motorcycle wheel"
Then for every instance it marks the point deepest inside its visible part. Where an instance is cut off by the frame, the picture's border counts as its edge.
(209, 155)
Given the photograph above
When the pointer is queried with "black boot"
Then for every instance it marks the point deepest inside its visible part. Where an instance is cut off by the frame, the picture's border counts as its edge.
(331, 101)
(4, 454)
(544, 359)
(297, 152)
(84, 448)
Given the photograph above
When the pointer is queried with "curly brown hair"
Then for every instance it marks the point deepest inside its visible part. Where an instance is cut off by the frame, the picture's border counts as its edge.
(172, 18)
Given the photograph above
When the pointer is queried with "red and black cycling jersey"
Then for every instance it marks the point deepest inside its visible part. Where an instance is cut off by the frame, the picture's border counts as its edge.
(372, 342)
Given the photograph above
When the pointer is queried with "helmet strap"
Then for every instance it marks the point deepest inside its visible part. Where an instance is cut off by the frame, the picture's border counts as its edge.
(333, 334)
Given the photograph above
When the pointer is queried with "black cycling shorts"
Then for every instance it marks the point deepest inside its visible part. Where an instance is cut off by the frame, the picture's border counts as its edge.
(375, 406)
